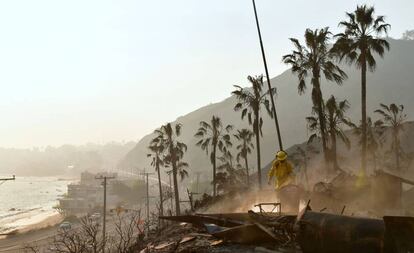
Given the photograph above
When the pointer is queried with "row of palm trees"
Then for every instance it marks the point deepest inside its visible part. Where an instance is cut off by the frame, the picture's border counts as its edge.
(250, 102)
(215, 139)
(334, 114)
(356, 45)
(391, 116)
(394, 117)
(166, 151)
(317, 58)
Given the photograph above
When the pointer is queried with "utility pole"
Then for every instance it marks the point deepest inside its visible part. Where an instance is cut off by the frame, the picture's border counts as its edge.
(267, 77)
(190, 199)
(105, 178)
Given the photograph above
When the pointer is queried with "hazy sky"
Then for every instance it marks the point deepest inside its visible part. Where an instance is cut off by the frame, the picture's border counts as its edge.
(95, 71)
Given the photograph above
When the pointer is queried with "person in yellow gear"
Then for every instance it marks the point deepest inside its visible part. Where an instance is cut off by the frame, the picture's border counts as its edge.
(282, 170)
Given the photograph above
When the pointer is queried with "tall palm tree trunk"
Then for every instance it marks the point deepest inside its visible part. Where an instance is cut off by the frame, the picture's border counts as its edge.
(214, 170)
(321, 117)
(171, 190)
(334, 155)
(397, 146)
(306, 171)
(364, 116)
(246, 164)
(257, 133)
(160, 188)
(176, 193)
(323, 132)
(259, 169)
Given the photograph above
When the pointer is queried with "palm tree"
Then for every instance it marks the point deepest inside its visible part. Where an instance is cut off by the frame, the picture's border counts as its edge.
(375, 133)
(250, 101)
(314, 58)
(336, 119)
(393, 116)
(157, 149)
(301, 158)
(244, 136)
(357, 45)
(230, 178)
(174, 152)
(215, 136)
(334, 116)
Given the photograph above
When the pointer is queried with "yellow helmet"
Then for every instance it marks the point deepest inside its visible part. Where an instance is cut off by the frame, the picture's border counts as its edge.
(281, 155)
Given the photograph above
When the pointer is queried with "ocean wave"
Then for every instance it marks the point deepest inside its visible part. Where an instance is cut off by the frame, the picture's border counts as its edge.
(17, 212)
(32, 202)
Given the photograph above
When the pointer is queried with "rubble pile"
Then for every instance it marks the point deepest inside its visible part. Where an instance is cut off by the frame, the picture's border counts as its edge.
(188, 238)
(308, 231)
(268, 229)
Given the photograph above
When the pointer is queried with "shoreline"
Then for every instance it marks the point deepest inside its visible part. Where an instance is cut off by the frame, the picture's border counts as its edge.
(47, 222)
(33, 206)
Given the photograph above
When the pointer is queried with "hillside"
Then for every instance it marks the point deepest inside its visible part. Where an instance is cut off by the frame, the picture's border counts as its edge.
(393, 81)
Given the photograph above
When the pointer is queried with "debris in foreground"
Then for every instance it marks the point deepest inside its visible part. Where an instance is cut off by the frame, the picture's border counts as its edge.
(312, 232)
(186, 238)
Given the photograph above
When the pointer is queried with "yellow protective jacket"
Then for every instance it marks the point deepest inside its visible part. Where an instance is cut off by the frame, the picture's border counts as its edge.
(283, 173)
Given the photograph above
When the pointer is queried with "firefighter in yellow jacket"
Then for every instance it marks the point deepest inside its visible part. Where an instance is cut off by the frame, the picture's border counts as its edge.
(282, 170)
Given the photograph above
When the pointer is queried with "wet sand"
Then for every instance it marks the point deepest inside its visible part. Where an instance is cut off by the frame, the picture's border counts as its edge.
(48, 222)
(33, 233)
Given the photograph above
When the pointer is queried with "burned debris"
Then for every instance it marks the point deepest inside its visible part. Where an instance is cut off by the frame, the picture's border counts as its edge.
(309, 231)
(336, 227)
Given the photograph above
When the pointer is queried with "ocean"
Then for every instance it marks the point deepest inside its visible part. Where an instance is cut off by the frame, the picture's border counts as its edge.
(29, 200)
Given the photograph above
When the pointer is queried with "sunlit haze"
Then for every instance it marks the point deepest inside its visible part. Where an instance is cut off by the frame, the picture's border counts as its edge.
(98, 71)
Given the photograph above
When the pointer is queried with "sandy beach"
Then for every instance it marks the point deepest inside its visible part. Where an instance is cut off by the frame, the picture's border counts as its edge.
(48, 222)
(32, 205)
(41, 224)
(41, 232)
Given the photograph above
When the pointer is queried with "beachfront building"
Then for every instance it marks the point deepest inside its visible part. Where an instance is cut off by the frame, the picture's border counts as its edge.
(86, 196)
